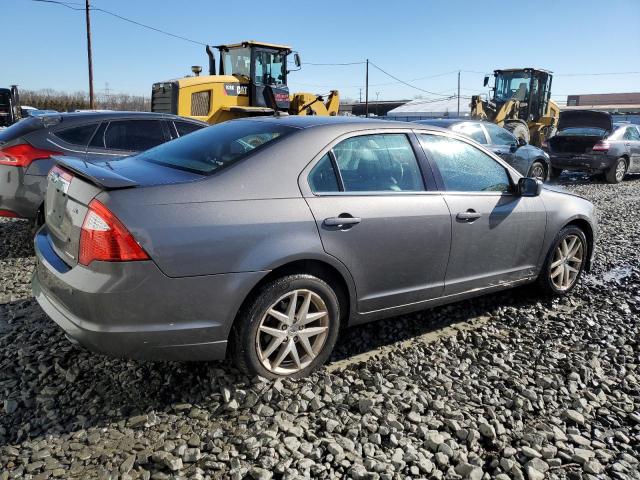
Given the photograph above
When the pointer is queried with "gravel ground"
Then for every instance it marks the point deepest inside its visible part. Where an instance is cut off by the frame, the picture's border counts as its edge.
(518, 386)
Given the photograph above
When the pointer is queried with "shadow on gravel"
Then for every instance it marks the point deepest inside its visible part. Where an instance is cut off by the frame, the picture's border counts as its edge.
(579, 178)
(52, 387)
(15, 239)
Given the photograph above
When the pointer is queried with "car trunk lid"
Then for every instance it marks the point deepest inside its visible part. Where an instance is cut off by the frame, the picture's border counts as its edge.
(585, 118)
(73, 183)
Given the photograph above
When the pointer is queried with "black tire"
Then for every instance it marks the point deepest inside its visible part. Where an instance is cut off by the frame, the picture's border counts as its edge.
(555, 173)
(613, 174)
(519, 130)
(545, 282)
(536, 166)
(243, 344)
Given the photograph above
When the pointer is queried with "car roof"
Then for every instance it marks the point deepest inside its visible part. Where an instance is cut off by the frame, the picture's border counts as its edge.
(108, 115)
(342, 122)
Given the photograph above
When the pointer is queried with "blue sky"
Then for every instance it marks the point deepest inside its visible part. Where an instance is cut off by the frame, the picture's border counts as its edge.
(409, 39)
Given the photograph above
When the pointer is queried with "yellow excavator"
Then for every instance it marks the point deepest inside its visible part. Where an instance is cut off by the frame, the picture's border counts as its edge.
(250, 80)
(520, 101)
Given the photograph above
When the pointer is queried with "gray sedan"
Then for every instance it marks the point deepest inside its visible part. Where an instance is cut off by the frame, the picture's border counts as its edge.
(260, 238)
(527, 159)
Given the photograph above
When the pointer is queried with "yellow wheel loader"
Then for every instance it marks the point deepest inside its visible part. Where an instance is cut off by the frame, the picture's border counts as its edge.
(520, 101)
(251, 80)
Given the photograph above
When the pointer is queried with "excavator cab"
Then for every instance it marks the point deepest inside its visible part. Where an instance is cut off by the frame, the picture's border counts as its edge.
(261, 65)
(530, 87)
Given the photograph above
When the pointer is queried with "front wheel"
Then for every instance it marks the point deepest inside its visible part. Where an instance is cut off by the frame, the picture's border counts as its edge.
(288, 329)
(616, 173)
(565, 262)
(538, 170)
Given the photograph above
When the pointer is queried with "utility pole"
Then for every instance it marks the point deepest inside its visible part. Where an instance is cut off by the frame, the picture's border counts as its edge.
(377, 101)
(360, 95)
(458, 93)
(366, 91)
(92, 104)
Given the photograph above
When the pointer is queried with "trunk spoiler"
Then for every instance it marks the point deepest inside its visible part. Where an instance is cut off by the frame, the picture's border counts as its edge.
(101, 175)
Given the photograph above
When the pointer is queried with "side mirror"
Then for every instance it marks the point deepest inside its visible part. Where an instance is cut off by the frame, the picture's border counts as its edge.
(522, 142)
(486, 80)
(296, 59)
(529, 187)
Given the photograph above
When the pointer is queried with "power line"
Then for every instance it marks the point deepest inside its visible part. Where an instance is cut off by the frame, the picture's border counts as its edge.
(595, 74)
(404, 82)
(334, 64)
(71, 5)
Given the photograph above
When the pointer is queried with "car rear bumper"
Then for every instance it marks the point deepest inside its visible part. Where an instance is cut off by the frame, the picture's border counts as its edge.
(133, 310)
(581, 161)
(20, 192)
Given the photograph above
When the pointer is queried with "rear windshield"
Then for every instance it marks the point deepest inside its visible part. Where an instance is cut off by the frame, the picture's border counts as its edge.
(19, 129)
(581, 132)
(216, 147)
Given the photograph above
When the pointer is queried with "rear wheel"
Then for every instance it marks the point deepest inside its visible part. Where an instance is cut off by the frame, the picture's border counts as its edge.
(618, 170)
(565, 262)
(288, 329)
(538, 170)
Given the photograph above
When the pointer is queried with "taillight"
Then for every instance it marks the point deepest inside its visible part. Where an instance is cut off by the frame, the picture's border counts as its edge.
(22, 155)
(8, 214)
(601, 146)
(103, 237)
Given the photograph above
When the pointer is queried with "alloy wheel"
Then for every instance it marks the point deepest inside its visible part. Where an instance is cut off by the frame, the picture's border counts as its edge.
(292, 332)
(621, 169)
(538, 172)
(567, 262)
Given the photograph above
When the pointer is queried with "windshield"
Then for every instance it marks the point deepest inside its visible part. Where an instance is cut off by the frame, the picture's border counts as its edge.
(216, 147)
(237, 61)
(270, 68)
(512, 85)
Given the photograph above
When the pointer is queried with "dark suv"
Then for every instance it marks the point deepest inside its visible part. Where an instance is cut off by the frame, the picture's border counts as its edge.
(26, 149)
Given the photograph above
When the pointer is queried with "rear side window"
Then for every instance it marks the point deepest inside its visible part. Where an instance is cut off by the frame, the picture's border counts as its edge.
(631, 134)
(378, 163)
(463, 167)
(213, 148)
(499, 136)
(133, 135)
(471, 130)
(185, 128)
(77, 135)
(322, 178)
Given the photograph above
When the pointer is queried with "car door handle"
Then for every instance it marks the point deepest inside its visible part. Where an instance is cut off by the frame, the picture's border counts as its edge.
(341, 221)
(469, 215)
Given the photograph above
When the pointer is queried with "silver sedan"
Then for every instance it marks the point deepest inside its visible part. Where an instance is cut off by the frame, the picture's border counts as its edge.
(257, 239)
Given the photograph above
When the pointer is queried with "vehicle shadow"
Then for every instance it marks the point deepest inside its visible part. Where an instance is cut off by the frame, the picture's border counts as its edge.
(15, 239)
(52, 387)
(580, 178)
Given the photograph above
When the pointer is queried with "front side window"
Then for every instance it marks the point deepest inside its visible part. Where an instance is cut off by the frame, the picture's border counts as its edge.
(270, 68)
(213, 148)
(237, 62)
(133, 135)
(499, 136)
(463, 167)
(471, 130)
(378, 163)
(77, 135)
